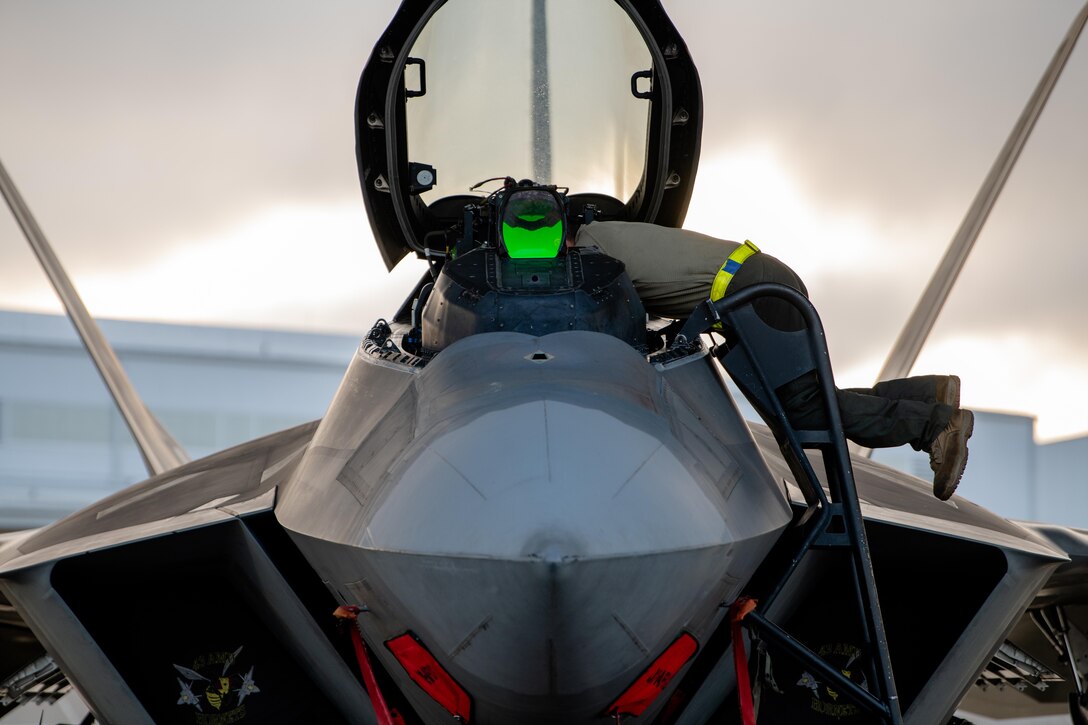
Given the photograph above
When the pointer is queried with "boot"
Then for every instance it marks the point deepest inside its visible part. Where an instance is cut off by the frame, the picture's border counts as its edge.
(948, 453)
(948, 390)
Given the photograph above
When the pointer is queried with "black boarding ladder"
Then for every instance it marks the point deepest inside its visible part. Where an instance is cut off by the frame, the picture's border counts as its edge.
(760, 359)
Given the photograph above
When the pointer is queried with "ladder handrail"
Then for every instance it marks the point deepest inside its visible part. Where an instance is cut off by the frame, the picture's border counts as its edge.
(751, 340)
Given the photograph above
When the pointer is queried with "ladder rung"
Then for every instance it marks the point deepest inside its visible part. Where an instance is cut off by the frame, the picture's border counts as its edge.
(813, 436)
(828, 540)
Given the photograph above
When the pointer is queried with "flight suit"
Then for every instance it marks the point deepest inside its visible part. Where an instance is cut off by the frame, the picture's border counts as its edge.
(673, 270)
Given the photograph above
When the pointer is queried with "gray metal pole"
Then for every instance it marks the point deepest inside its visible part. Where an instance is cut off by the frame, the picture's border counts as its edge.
(158, 448)
(905, 351)
(540, 91)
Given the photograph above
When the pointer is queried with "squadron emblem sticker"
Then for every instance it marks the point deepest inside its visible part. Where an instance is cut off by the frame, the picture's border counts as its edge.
(217, 694)
(824, 699)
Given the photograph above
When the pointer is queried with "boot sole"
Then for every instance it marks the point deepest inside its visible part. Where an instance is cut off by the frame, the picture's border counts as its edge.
(968, 427)
(951, 392)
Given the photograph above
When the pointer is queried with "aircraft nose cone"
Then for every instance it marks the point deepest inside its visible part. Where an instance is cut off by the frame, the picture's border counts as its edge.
(555, 523)
(546, 515)
(552, 480)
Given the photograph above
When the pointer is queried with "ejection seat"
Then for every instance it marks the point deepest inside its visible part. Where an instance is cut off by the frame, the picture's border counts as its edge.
(760, 359)
(484, 291)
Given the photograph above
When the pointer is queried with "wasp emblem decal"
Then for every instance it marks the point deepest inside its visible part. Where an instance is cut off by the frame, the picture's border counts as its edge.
(217, 694)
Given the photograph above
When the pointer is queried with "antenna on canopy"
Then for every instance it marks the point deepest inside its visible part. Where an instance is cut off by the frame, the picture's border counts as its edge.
(159, 449)
(540, 96)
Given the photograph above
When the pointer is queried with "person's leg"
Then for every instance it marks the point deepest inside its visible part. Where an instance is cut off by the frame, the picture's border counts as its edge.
(923, 388)
(870, 420)
(876, 422)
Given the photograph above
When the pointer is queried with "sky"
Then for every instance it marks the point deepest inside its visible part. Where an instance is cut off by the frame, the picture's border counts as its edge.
(194, 162)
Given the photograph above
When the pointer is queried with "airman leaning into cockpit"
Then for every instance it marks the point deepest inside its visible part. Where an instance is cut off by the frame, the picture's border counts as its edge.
(922, 411)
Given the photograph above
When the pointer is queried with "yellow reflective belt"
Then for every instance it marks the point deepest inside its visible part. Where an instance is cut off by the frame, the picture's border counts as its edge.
(730, 268)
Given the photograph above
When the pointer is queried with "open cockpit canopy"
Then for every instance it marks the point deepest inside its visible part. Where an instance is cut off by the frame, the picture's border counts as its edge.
(596, 95)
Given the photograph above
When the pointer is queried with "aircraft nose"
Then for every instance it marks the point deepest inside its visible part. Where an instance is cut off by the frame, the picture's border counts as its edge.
(546, 515)
(547, 551)
(551, 480)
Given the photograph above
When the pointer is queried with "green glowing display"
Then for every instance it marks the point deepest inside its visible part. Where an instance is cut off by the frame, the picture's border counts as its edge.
(538, 243)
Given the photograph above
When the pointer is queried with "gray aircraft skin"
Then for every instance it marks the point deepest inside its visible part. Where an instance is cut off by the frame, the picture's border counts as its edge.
(582, 508)
(541, 503)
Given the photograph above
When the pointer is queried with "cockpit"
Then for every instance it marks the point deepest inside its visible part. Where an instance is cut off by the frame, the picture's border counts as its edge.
(557, 92)
(512, 268)
(590, 110)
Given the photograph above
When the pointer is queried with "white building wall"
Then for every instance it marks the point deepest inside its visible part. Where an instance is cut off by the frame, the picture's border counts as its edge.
(62, 443)
(1061, 470)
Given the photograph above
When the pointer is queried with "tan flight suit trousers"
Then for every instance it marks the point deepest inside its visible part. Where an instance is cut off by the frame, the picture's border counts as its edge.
(673, 270)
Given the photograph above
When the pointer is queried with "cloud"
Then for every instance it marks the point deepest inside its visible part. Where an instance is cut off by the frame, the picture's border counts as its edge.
(302, 267)
(846, 138)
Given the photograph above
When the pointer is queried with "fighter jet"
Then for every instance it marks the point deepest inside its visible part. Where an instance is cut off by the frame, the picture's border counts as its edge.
(527, 502)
